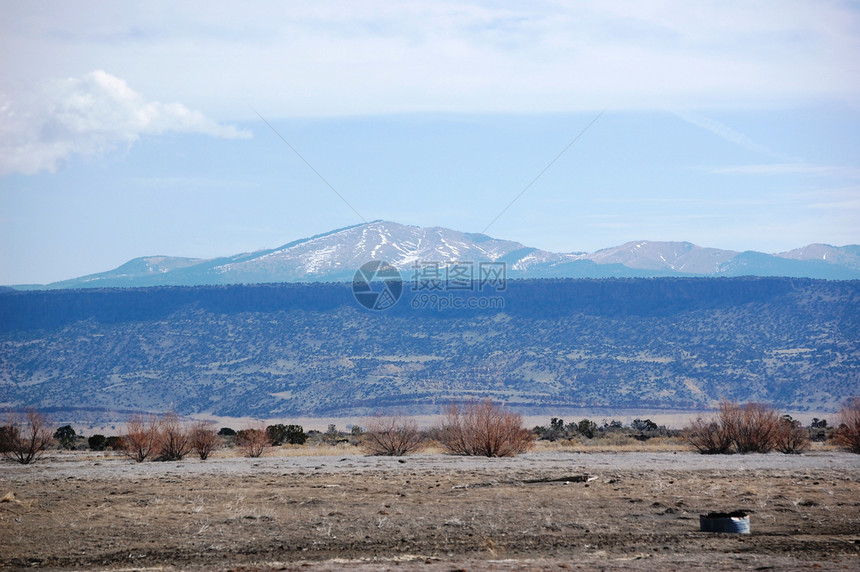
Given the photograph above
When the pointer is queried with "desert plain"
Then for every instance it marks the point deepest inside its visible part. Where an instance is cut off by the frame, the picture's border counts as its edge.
(544, 510)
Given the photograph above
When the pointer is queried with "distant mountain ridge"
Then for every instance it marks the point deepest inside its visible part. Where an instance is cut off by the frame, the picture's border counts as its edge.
(334, 257)
(282, 350)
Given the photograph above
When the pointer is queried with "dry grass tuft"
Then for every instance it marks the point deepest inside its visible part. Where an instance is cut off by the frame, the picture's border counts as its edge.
(619, 444)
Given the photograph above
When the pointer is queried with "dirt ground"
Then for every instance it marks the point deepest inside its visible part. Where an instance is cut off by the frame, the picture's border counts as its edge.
(633, 511)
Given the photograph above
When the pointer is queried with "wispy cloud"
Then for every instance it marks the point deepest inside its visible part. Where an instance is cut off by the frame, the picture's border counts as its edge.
(725, 132)
(693, 202)
(337, 57)
(788, 169)
(88, 115)
(192, 182)
(844, 200)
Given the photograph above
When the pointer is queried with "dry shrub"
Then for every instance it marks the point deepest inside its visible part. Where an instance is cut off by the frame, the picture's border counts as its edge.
(25, 436)
(165, 439)
(141, 437)
(173, 439)
(484, 429)
(392, 436)
(115, 443)
(254, 440)
(754, 427)
(847, 434)
(7, 433)
(203, 439)
(792, 438)
(708, 437)
(748, 428)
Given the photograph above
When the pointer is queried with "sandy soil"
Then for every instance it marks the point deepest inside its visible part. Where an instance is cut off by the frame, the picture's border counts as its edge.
(639, 511)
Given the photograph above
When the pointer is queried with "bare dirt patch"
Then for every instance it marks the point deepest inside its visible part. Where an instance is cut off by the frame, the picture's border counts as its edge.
(627, 511)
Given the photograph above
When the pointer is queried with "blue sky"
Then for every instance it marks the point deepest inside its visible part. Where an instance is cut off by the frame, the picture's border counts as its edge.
(129, 129)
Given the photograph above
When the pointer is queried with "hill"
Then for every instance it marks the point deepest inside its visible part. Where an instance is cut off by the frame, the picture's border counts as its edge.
(541, 345)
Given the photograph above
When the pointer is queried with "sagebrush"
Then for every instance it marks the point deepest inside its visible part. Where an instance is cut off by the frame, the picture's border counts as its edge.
(484, 429)
(392, 436)
(254, 440)
(25, 436)
(173, 438)
(848, 431)
(747, 428)
(141, 437)
(203, 439)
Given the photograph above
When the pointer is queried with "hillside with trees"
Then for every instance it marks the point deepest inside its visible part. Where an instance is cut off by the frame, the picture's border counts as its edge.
(279, 350)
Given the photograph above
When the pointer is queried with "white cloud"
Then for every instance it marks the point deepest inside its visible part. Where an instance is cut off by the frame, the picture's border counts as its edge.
(339, 57)
(87, 115)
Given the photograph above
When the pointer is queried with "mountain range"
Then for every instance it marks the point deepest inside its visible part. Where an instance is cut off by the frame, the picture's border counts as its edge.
(336, 255)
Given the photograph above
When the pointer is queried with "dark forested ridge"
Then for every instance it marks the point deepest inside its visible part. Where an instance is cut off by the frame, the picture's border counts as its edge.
(299, 349)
